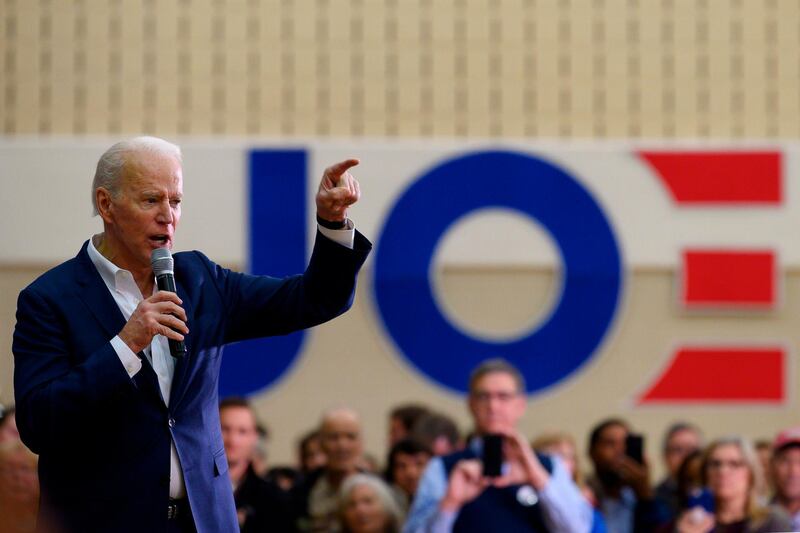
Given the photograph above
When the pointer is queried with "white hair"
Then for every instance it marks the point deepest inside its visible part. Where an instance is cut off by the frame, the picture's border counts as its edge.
(111, 163)
(381, 490)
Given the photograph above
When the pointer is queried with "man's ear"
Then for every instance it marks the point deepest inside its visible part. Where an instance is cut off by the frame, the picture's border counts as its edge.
(103, 200)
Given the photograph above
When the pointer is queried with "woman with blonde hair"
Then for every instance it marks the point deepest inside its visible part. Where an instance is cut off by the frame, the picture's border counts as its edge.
(366, 505)
(732, 473)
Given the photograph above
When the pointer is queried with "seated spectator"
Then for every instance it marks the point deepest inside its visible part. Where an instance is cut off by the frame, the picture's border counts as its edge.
(402, 419)
(366, 506)
(310, 454)
(532, 493)
(732, 472)
(405, 464)
(681, 439)
(259, 504)
(19, 488)
(621, 484)
(563, 445)
(315, 499)
(438, 432)
(8, 425)
(785, 466)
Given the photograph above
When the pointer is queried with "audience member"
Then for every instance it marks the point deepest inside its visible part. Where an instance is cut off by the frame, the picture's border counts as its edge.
(8, 425)
(19, 488)
(563, 445)
(533, 493)
(785, 466)
(681, 439)
(259, 504)
(732, 472)
(402, 419)
(367, 506)
(622, 484)
(315, 499)
(690, 489)
(438, 432)
(404, 466)
(310, 454)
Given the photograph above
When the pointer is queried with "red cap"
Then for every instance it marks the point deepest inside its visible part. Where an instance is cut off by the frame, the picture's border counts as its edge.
(786, 438)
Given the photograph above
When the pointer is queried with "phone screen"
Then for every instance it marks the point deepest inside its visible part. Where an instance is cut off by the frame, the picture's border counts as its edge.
(492, 455)
(634, 447)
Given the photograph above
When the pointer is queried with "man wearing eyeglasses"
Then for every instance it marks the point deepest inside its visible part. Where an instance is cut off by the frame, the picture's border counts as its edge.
(531, 493)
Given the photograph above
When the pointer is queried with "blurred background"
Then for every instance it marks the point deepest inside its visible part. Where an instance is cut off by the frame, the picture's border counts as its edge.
(589, 86)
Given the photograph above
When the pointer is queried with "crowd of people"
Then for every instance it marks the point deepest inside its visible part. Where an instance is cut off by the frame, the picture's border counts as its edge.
(433, 480)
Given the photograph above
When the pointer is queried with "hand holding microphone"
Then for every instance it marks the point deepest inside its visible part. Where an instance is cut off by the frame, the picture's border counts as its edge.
(160, 314)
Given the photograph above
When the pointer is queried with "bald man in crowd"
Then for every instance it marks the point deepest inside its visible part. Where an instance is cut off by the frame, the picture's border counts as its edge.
(315, 500)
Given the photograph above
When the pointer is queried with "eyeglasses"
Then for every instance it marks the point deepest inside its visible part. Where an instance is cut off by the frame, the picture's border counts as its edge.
(485, 396)
(733, 464)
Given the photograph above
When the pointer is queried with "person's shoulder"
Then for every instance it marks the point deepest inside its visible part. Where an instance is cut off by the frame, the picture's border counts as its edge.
(53, 280)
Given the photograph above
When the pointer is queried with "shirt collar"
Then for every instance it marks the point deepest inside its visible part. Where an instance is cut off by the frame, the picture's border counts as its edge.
(115, 278)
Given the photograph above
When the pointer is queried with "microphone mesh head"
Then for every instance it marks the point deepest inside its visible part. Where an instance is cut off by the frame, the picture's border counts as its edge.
(162, 261)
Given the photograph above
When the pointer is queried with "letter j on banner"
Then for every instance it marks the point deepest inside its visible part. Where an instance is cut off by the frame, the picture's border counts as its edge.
(590, 256)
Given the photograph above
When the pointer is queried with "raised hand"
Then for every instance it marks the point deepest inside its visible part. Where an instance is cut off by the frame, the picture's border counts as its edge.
(523, 465)
(161, 314)
(465, 484)
(338, 190)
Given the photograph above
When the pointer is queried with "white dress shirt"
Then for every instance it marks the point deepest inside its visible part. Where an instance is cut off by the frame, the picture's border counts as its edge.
(126, 293)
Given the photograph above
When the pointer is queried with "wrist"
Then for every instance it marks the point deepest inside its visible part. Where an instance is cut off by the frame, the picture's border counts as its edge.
(331, 224)
(449, 505)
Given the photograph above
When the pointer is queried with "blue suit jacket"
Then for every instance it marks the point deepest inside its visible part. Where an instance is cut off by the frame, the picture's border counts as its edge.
(103, 438)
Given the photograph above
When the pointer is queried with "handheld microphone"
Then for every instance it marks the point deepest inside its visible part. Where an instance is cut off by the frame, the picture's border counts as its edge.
(163, 268)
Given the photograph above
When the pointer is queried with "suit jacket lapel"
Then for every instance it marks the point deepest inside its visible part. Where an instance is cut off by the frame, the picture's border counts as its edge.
(183, 364)
(97, 298)
(95, 295)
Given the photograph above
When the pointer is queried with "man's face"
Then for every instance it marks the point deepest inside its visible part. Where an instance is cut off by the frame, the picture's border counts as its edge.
(145, 213)
(340, 436)
(496, 404)
(786, 474)
(238, 434)
(609, 448)
(408, 470)
(680, 444)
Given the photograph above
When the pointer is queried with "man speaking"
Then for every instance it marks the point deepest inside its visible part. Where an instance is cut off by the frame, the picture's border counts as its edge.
(128, 435)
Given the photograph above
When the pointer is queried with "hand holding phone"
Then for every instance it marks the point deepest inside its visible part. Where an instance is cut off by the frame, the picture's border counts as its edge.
(492, 457)
(634, 447)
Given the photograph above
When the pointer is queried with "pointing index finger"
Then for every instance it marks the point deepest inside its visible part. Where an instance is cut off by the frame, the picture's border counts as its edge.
(340, 168)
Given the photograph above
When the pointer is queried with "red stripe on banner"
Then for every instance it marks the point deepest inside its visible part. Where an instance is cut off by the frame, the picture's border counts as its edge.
(719, 177)
(721, 374)
(729, 279)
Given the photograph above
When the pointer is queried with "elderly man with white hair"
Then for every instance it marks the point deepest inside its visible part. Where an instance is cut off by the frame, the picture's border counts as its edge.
(127, 430)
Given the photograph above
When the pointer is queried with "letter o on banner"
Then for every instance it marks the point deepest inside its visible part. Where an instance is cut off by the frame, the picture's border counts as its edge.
(591, 279)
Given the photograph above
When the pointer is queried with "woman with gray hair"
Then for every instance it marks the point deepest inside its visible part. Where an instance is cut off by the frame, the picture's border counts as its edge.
(366, 505)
